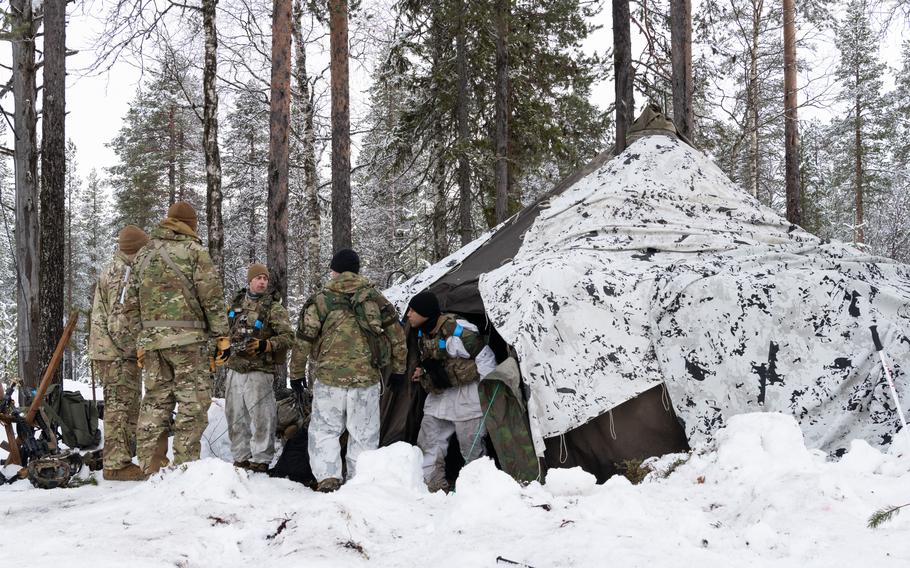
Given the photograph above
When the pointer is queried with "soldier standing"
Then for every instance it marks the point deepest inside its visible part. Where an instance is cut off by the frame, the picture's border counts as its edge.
(174, 311)
(352, 332)
(116, 366)
(453, 358)
(261, 335)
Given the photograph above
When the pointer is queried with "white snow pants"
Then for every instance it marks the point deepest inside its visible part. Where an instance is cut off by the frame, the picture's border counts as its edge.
(433, 441)
(251, 413)
(335, 410)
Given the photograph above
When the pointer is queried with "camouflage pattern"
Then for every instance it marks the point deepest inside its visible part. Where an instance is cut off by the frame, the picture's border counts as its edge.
(122, 386)
(252, 414)
(338, 345)
(433, 441)
(507, 424)
(460, 371)
(163, 309)
(101, 346)
(336, 409)
(276, 327)
(177, 375)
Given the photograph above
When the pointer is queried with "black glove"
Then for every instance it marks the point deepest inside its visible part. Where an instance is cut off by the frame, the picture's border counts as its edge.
(436, 370)
(396, 381)
(298, 386)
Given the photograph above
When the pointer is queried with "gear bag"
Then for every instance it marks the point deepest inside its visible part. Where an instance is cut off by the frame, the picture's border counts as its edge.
(76, 417)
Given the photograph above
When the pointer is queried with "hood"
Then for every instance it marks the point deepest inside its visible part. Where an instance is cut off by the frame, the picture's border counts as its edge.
(174, 230)
(347, 283)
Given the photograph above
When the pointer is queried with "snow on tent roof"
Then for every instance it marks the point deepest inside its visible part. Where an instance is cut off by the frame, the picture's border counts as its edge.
(654, 267)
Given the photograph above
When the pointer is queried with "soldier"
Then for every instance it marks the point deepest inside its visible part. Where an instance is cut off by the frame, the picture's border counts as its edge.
(353, 334)
(261, 334)
(174, 311)
(452, 359)
(116, 366)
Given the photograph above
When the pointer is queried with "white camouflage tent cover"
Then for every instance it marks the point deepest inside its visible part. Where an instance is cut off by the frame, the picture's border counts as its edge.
(657, 268)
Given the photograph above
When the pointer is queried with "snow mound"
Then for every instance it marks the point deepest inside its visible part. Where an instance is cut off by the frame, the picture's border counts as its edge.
(398, 465)
(573, 481)
(757, 441)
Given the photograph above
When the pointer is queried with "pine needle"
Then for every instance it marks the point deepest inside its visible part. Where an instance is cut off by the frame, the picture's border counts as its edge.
(884, 515)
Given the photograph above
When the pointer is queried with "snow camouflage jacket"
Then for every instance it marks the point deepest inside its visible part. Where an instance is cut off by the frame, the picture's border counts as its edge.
(101, 346)
(261, 318)
(174, 296)
(334, 339)
(456, 371)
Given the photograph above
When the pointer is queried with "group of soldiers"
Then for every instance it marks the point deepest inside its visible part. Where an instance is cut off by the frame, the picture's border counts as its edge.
(159, 318)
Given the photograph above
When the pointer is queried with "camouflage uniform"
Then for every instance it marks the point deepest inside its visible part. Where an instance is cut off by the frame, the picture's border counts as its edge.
(457, 355)
(173, 308)
(250, 405)
(116, 368)
(346, 385)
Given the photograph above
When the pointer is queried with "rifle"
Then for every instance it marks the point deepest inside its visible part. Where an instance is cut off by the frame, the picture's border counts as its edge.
(25, 447)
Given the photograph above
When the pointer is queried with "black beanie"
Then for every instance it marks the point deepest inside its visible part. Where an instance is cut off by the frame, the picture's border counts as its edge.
(345, 260)
(427, 305)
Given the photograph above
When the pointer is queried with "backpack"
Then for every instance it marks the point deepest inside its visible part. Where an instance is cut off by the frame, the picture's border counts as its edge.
(77, 418)
(327, 301)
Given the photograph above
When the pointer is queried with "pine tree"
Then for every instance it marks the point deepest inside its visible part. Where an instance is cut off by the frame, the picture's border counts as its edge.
(860, 166)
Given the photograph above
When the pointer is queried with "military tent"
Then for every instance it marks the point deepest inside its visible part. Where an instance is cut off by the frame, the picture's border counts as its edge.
(647, 299)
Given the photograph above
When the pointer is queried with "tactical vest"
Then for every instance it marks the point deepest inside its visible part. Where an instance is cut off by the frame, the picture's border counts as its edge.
(240, 324)
(328, 301)
(456, 371)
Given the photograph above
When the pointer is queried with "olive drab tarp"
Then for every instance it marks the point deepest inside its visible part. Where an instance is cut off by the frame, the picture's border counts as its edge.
(506, 421)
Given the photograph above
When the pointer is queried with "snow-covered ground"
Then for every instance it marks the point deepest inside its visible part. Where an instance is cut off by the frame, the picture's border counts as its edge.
(757, 497)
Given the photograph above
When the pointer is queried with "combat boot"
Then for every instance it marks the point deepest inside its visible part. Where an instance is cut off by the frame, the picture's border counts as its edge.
(328, 485)
(131, 472)
(245, 464)
(159, 457)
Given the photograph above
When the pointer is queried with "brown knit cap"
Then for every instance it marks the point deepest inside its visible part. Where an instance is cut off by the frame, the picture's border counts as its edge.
(131, 239)
(183, 211)
(256, 270)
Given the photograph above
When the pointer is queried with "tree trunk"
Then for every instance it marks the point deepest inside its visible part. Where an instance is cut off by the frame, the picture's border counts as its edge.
(681, 53)
(341, 126)
(752, 109)
(791, 122)
(502, 110)
(313, 278)
(279, 116)
(461, 116)
(181, 165)
(859, 233)
(70, 273)
(53, 182)
(210, 139)
(252, 182)
(440, 236)
(172, 155)
(622, 68)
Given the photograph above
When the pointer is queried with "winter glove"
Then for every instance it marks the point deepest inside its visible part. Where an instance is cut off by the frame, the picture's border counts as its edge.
(298, 386)
(140, 357)
(223, 350)
(257, 347)
(396, 381)
(436, 370)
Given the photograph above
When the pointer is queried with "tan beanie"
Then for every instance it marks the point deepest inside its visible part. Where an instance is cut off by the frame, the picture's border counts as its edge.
(183, 211)
(256, 270)
(131, 239)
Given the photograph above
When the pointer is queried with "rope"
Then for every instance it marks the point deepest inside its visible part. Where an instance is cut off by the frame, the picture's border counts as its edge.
(612, 426)
(483, 420)
(563, 449)
(665, 396)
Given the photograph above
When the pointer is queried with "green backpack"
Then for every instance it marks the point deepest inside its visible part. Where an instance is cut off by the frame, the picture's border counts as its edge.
(380, 345)
(77, 417)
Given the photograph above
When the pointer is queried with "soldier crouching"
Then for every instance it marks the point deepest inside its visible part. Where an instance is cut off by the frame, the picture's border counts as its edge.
(261, 334)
